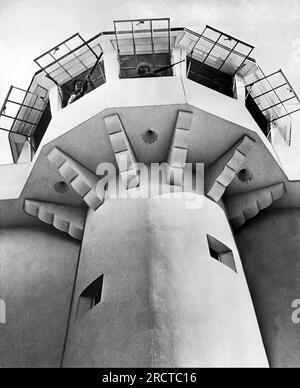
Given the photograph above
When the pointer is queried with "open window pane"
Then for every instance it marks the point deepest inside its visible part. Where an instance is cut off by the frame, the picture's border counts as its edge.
(143, 41)
(220, 51)
(68, 59)
(273, 95)
(72, 60)
(21, 115)
(271, 100)
(215, 58)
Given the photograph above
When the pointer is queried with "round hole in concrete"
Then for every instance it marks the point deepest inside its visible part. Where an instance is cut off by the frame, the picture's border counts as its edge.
(245, 175)
(149, 136)
(61, 187)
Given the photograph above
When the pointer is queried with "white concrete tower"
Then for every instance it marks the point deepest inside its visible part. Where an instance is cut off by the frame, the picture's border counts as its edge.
(118, 216)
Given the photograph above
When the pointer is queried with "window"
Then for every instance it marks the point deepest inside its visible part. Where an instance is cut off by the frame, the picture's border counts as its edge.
(70, 62)
(98, 79)
(207, 76)
(91, 296)
(221, 252)
(25, 114)
(271, 100)
(2, 311)
(143, 43)
(215, 58)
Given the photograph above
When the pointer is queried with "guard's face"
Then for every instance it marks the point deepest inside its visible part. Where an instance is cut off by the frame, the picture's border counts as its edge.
(144, 69)
(78, 86)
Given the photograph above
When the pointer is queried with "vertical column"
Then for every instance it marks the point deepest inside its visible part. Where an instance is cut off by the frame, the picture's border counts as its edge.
(26, 153)
(111, 63)
(161, 298)
(239, 91)
(178, 55)
(55, 100)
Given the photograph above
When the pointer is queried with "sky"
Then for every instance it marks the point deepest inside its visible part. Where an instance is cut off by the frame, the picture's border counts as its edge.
(30, 27)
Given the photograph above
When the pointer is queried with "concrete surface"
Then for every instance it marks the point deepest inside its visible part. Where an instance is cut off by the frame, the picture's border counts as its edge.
(269, 246)
(165, 301)
(37, 267)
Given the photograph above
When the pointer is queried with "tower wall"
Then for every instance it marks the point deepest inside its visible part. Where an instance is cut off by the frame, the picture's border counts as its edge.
(37, 267)
(269, 246)
(165, 301)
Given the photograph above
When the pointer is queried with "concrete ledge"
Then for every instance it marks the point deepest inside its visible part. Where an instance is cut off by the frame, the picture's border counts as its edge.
(67, 219)
(244, 206)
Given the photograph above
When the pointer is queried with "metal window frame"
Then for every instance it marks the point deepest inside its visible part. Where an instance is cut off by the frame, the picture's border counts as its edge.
(133, 34)
(274, 89)
(269, 91)
(21, 104)
(70, 52)
(207, 55)
(216, 43)
(16, 118)
(278, 103)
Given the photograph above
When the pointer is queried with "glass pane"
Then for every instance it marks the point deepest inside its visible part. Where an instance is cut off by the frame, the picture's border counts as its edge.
(142, 36)
(273, 95)
(71, 58)
(220, 51)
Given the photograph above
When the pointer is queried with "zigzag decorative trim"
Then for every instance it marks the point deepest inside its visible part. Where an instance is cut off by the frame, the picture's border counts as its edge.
(229, 164)
(123, 152)
(82, 180)
(67, 219)
(179, 147)
(242, 207)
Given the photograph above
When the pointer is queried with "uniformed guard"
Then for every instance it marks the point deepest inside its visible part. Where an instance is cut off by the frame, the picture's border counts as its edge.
(80, 88)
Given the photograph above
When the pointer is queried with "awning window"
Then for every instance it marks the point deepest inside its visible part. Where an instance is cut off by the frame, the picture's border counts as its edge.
(220, 51)
(21, 115)
(70, 59)
(273, 95)
(142, 40)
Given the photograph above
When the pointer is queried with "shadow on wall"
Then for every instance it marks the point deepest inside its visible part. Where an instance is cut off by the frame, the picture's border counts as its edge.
(269, 247)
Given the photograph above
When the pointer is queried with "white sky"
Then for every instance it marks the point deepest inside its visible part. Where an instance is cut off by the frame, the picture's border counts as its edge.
(30, 27)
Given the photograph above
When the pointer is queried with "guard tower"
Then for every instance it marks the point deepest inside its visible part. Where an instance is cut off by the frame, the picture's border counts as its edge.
(101, 267)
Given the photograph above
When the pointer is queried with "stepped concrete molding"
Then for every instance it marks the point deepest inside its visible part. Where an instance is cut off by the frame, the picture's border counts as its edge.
(221, 173)
(82, 180)
(179, 147)
(123, 151)
(242, 207)
(68, 219)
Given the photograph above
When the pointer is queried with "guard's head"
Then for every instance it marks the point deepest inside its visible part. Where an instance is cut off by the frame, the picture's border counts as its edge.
(78, 84)
(144, 68)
